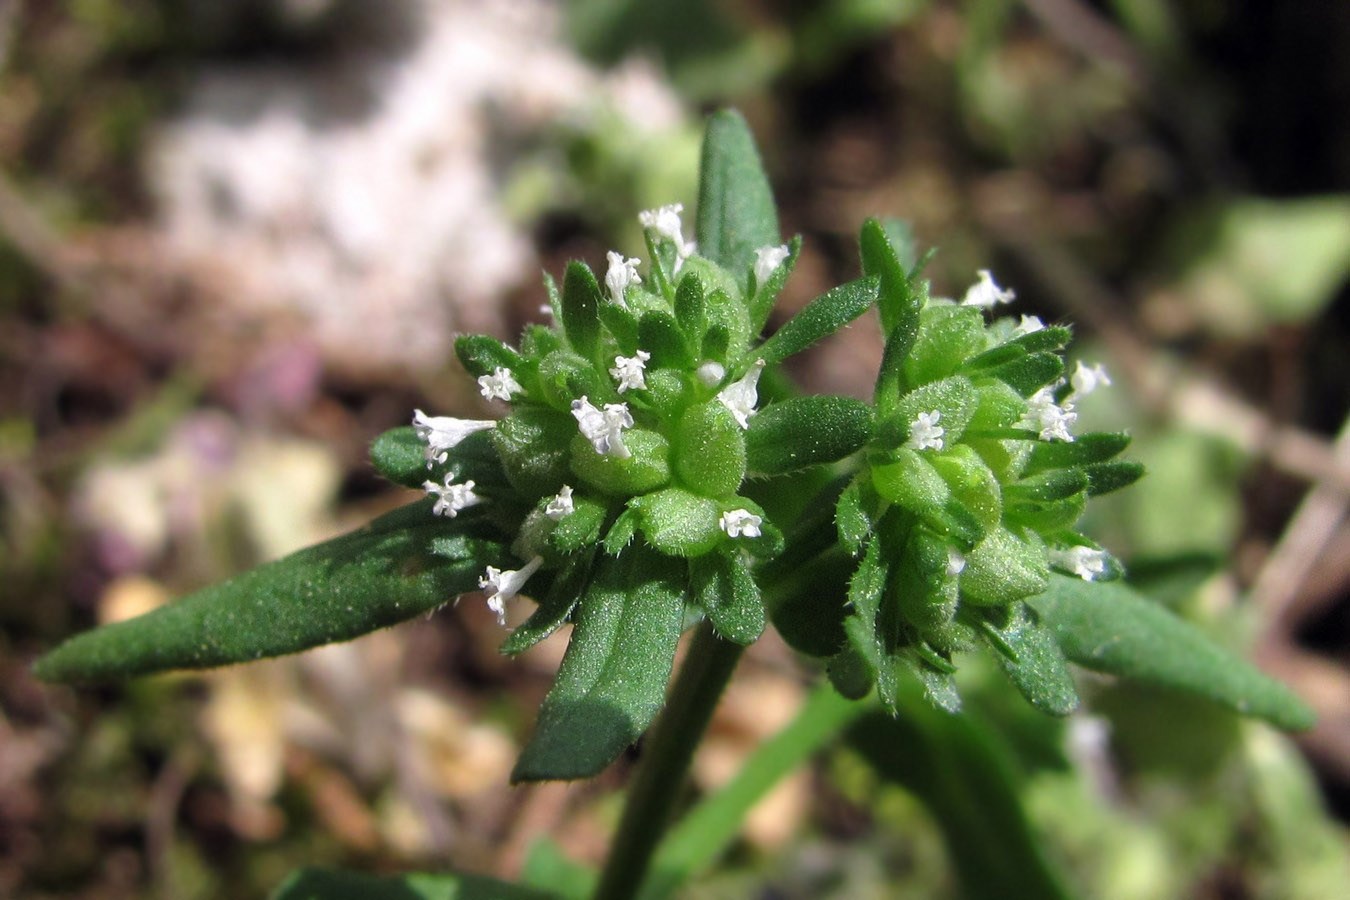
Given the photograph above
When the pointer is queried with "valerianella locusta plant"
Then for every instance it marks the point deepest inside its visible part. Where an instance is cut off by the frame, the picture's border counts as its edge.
(655, 469)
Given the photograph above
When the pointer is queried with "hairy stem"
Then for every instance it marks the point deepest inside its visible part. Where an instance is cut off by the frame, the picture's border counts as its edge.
(661, 773)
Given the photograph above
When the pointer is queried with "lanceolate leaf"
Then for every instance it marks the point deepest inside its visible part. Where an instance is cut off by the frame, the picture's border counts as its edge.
(898, 302)
(822, 317)
(806, 431)
(1109, 628)
(581, 309)
(736, 213)
(376, 576)
(613, 678)
(1029, 656)
(328, 884)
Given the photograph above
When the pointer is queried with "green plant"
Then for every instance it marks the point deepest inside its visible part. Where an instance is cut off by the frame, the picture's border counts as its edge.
(656, 469)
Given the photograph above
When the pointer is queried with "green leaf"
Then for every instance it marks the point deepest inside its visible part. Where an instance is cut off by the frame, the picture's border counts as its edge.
(955, 398)
(400, 456)
(613, 677)
(948, 336)
(898, 302)
(532, 444)
(710, 450)
(1004, 567)
(332, 884)
(958, 768)
(1033, 662)
(660, 335)
(581, 309)
(690, 311)
(736, 213)
(1103, 478)
(481, 354)
(679, 523)
(1109, 628)
(623, 324)
(376, 576)
(722, 584)
(1029, 373)
(851, 516)
(580, 527)
(822, 317)
(806, 431)
(646, 469)
(810, 608)
(1098, 446)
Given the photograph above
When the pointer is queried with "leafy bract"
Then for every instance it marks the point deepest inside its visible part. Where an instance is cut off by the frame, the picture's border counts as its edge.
(400, 565)
(822, 317)
(1109, 628)
(613, 677)
(736, 212)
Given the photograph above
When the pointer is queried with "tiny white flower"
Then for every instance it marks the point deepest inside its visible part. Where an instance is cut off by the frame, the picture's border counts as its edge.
(1048, 418)
(1029, 325)
(622, 272)
(925, 433)
(665, 221)
(443, 432)
(501, 384)
(603, 427)
(628, 371)
(1086, 379)
(561, 505)
(985, 293)
(741, 396)
(767, 261)
(546, 310)
(710, 373)
(503, 585)
(451, 497)
(740, 523)
(1085, 562)
(956, 563)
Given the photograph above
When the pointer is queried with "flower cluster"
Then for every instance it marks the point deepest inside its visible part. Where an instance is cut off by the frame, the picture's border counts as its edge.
(629, 415)
(972, 488)
(636, 417)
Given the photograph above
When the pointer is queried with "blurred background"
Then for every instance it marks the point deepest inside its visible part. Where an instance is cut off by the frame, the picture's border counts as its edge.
(236, 241)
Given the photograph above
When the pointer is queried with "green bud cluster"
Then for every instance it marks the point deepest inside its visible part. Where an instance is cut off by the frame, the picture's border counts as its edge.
(639, 404)
(971, 487)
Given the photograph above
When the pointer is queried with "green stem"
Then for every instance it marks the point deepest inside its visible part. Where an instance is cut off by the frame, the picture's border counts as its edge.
(666, 754)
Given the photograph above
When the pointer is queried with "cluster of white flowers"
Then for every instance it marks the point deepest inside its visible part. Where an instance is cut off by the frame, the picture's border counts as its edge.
(1048, 418)
(925, 433)
(629, 371)
(603, 427)
(1085, 562)
(741, 396)
(665, 221)
(451, 497)
(740, 523)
